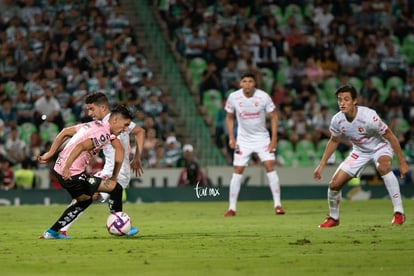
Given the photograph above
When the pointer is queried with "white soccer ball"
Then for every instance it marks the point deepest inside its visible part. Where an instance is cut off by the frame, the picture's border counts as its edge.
(118, 223)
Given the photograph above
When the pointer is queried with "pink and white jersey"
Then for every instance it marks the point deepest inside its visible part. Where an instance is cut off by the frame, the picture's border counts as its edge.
(251, 115)
(365, 131)
(124, 175)
(100, 135)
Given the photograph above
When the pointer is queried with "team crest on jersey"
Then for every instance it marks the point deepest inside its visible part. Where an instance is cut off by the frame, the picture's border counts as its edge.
(92, 180)
(256, 104)
(361, 130)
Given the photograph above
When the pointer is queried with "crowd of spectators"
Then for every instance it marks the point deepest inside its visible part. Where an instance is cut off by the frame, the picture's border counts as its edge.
(55, 52)
(310, 48)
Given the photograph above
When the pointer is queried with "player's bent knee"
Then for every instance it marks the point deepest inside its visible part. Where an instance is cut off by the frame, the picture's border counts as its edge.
(83, 197)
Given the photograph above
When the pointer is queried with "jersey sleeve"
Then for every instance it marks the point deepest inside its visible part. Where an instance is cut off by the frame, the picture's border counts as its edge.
(334, 127)
(378, 123)
(270, 106)
(229, 106)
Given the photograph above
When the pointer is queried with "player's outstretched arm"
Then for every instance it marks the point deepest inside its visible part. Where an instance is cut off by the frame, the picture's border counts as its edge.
(395, 144)
(274, 125)
(57, 143)
(136, 164)
(330, 148)
(230, 126)
(119, 158)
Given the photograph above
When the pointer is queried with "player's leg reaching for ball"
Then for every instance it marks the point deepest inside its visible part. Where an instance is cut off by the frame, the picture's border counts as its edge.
(83, 201)
(81, 193)
(114, 198)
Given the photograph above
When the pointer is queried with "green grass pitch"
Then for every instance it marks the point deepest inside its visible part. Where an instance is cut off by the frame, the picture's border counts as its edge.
(195, 239)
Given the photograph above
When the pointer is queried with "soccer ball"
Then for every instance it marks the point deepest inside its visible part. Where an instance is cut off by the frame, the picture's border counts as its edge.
(118, 223)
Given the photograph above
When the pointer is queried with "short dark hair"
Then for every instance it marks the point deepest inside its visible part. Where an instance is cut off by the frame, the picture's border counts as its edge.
(248, 75)
(347, 88)
(123, 111)
(97, 98)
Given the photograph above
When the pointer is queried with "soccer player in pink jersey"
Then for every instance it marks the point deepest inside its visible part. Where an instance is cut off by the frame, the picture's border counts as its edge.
(372, 141)
(86, 140)
(251, 106)
(98, 108)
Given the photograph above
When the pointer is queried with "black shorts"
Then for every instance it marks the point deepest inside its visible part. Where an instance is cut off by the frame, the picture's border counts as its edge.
(80, 184)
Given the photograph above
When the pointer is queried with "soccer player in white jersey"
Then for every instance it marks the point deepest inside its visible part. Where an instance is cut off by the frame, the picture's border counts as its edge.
(98, 109)
(251, 107)
(85, 140)
(372, 141)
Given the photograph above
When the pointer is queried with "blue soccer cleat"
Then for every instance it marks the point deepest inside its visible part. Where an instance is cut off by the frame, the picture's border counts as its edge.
(51, 234)
(132, 232)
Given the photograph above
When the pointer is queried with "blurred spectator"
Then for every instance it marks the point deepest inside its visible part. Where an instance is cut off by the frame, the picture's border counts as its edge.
(146, 89)
(157, 160)
(172, 151)
(195, 45)
(408, 145)
(314, 72)
(220, 133)
(278, 93)
(7, 175)
(164, 124)
(312, 107)
(393, 104)
(47, 108)
(303, 90)
(320, 125)
(328, 63)
(25, 177)
(191, 174)
(150, 143)
(24, 108)
(349, 61)
(300, 127)
(15, 147)
(8, 113)
(364, 18)
(265, 55)
(324, 18)
(230, 76)
(294, 72)
(408, 106)
(210, 79)
(215, 41)
(181, 33)
(34, 148)
(152, 106)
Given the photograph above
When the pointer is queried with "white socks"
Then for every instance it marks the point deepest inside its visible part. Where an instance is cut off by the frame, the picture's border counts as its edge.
(393, 187)
(334, 198)
(234, 190)
(274, 187)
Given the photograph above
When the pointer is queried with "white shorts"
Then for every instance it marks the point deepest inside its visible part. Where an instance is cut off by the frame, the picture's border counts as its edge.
(122, 179)
(356, 161)
(242, 155)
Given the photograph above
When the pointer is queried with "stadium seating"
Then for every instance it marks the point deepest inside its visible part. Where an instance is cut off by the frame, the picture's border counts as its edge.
(48, 131)
(196, 67)
(267, 79)
(285, 153)
(25, 131)
(355, 82)
(305, 153)
(213, 102)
